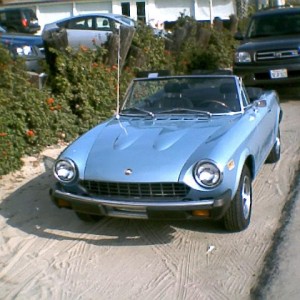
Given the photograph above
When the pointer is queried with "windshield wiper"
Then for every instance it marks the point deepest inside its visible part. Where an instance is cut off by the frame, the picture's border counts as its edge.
(134, 108)
(186, 110)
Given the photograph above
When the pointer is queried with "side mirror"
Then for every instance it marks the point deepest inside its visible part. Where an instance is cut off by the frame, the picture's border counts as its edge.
(239, 36)
(260, 103)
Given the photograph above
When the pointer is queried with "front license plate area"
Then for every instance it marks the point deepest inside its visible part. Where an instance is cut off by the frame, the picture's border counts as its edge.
(279, 73)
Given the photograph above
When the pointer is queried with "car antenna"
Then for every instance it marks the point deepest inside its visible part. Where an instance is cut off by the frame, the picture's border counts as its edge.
(118, 70)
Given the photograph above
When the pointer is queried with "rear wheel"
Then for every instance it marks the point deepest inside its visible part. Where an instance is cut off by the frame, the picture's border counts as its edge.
(238, 216)
(274, 155)
(88, 217)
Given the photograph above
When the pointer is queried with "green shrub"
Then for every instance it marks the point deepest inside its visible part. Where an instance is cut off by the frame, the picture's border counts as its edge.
(199, 47)
(217, 55)
(28, 122)
(86, 85)
(148, 52)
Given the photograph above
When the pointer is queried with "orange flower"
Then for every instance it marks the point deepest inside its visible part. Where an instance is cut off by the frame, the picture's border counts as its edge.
(30, 133)
(50, 101)
(114, 67)
(3, 134)
(84, 48)
(52, 108)
(95, 65)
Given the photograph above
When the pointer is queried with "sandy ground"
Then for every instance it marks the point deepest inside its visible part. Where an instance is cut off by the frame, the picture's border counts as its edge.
(281, 272)
(47, 253)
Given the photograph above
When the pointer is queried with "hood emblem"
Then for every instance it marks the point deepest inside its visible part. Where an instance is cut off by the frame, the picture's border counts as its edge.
(128, 172)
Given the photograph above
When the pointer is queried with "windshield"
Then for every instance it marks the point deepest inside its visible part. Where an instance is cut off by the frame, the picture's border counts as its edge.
(204, 95)
(126, 20)
(274, 25)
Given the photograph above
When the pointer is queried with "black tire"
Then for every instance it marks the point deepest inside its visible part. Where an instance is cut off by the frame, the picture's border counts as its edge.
(274, 155)
(237, 218)
(88, 217)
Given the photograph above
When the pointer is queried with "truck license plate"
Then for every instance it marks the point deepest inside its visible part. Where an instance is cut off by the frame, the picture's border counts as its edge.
(280, 73)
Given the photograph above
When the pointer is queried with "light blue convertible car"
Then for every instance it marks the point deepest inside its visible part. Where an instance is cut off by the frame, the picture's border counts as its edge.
(181, 147)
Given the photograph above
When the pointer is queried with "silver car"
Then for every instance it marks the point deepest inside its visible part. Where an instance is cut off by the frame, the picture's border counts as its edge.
(182, 147)
(89, 30)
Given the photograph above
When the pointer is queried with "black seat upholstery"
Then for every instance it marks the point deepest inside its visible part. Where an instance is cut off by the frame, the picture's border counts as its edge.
(230, 96)
(174, 97)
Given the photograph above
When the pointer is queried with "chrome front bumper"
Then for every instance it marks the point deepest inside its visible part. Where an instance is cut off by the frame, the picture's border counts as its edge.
(136, 209)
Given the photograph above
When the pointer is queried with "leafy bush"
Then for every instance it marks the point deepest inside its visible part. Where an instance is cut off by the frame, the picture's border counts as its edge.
(28, 120)
(148, 51)
(199, 47)
(86, 85)
(217, 55)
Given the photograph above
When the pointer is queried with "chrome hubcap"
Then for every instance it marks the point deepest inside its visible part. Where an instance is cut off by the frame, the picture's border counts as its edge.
(246, 197)
(277, 145)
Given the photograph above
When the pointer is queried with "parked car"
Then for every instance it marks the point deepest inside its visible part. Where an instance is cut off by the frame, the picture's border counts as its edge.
(89, 29)
(19, 19)
(269, 53)
(28, 47)
(182, 147)
(22, 38)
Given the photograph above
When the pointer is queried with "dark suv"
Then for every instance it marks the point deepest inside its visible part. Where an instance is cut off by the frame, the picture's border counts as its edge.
(270, 50)
(19, 20)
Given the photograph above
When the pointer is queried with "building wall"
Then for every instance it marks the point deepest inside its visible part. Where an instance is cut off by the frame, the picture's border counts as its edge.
(156, 11)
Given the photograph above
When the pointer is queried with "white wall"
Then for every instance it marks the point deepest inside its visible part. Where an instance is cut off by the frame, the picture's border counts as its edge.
(220, 8)
(170, 10)
(86, 7)
(156, 10)
(50, 13)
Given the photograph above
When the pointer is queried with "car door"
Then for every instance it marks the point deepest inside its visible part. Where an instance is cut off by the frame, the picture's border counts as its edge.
(81, 32)
(104, 27)
(262, 119)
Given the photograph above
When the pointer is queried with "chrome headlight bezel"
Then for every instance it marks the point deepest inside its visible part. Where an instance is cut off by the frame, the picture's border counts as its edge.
(242, 57)
(65, 170)
(207, 174)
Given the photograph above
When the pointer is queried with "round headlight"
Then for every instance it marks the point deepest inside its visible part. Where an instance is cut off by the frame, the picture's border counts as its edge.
(207, 174)
(65, 170)
(242, 57)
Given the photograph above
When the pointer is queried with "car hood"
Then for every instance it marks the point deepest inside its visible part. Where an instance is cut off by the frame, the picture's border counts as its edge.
(268, 43)
(149, 150)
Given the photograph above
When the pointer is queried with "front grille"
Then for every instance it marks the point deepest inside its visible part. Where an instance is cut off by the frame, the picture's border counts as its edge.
(278, 54)
(136, 190)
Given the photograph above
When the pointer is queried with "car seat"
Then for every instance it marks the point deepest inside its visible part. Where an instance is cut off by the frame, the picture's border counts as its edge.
(174, 98)
(230, 95)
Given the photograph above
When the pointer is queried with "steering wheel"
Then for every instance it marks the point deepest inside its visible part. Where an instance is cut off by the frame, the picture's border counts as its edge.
(217, 104)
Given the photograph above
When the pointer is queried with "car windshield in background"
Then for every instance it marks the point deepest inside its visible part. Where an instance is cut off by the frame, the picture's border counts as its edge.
(126, 20)
(190, 95)
(274, 25)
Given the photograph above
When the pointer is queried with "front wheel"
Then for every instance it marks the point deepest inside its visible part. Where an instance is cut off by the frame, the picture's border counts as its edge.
(237, 218)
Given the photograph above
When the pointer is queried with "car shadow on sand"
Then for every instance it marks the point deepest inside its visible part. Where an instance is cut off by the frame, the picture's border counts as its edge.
(31, 210)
